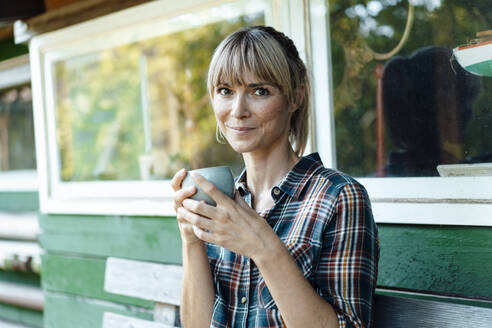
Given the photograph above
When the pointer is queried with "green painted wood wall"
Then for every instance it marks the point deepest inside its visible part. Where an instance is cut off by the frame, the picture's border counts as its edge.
(22, 202)
(439, 259)
(19, 201)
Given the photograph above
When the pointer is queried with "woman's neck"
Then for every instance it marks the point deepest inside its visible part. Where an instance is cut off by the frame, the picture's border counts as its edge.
(264, 170)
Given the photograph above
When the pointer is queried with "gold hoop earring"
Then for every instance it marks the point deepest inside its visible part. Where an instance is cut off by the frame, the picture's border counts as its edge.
(219, 136)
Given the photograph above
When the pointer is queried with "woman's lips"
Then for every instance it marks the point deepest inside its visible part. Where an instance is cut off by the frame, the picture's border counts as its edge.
(240, 129)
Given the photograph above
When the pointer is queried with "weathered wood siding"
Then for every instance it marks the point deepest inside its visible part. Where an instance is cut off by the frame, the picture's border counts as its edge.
(17, 206)
(75, 268)
(448, 260)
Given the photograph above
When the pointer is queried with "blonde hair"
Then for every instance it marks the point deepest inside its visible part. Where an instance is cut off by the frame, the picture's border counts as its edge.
(271, 57)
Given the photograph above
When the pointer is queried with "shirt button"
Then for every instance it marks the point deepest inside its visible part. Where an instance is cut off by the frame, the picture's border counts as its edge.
(243, 300)
(276, 191)
(249, 262)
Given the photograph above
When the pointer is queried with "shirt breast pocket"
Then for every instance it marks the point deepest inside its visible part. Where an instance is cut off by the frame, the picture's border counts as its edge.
(301, 252)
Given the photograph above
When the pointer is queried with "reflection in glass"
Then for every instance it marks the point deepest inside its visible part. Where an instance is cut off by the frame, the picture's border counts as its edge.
(16, 130)
(403, 112)
(141, 110)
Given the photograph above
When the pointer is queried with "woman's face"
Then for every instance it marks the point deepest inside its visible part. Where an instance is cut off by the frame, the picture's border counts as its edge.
(253, 117)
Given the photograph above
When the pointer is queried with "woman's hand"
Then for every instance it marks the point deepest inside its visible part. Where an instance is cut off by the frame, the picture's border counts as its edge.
(185, 227)
(231, 224)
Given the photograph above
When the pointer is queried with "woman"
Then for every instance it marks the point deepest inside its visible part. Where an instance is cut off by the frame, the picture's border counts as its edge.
(297, 247)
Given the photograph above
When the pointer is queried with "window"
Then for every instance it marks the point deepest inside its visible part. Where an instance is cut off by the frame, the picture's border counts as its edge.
(17, 150)
(122, 104)
(16, 130)
(403, 107)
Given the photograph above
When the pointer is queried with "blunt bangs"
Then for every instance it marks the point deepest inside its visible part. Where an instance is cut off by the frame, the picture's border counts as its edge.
(254, 53)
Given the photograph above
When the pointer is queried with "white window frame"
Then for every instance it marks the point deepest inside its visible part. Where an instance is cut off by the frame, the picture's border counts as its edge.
(421, 200)
(15, 72)
(153, 198)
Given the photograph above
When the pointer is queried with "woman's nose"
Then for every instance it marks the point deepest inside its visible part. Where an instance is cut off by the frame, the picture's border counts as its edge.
(240, 106)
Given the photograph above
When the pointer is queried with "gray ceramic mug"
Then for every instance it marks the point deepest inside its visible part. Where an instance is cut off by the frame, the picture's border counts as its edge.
(220, 176)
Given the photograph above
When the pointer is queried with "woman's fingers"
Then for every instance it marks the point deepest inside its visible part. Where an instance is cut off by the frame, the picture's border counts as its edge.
(195, 219)
(240, 200)
(203, 209)
(181, 195)
(203, 235)
(177, 179)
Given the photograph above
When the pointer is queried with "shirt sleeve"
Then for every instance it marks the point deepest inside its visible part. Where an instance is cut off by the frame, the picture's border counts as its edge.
(347, 270)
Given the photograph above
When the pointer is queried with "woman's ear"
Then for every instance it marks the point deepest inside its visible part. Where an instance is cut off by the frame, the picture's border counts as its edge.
(298, 98)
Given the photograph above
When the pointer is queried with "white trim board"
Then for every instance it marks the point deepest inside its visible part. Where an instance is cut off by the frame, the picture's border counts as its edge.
(113, 320)
(20, 248)
(5, 324)
(14, 72)
(19, 180)
(433, 213)
(22, 226)
(150, 281)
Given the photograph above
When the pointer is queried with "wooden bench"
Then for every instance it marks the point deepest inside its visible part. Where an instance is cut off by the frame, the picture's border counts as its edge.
(396, 312)
(162, 284)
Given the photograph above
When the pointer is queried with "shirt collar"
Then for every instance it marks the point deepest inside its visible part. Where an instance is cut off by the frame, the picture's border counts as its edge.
(294, 182)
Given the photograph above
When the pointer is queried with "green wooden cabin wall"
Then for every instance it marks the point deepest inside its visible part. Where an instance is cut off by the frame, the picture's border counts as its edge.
(431, 259)
(20, 202)
(27, 317)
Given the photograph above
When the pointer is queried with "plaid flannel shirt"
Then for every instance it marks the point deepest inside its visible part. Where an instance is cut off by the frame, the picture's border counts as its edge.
(324, 218)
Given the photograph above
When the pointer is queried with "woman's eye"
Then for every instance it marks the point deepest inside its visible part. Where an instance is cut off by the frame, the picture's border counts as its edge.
(224, 91)
(261, 92)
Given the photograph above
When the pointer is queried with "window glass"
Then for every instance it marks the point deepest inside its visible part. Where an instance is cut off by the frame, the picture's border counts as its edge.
(16, 129)
(404, 103)
(141, 110)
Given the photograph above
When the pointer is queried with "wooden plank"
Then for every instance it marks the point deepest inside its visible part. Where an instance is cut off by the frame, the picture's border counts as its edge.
(435, 297)
(150, 281)
(27, 201)
(21, 248)
(166, 313)
(5, 324)
(21, 226)
(24, 296)
(396, 312)
(65, 311)
(69, 15)
(450, 260)
(6, 32)
(112, 320)
(18, 181)
(20, 256)
(83, 277)
(25, 278)
(28, 317)
(140, 238)
(15, 75)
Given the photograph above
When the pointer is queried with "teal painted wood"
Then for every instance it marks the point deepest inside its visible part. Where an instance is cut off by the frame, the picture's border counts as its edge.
(20, 315)
(81, 276)
(30, 279)
(437, 298)
(19, 201)
(64, 311)
(439, 259)
(140, 238)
